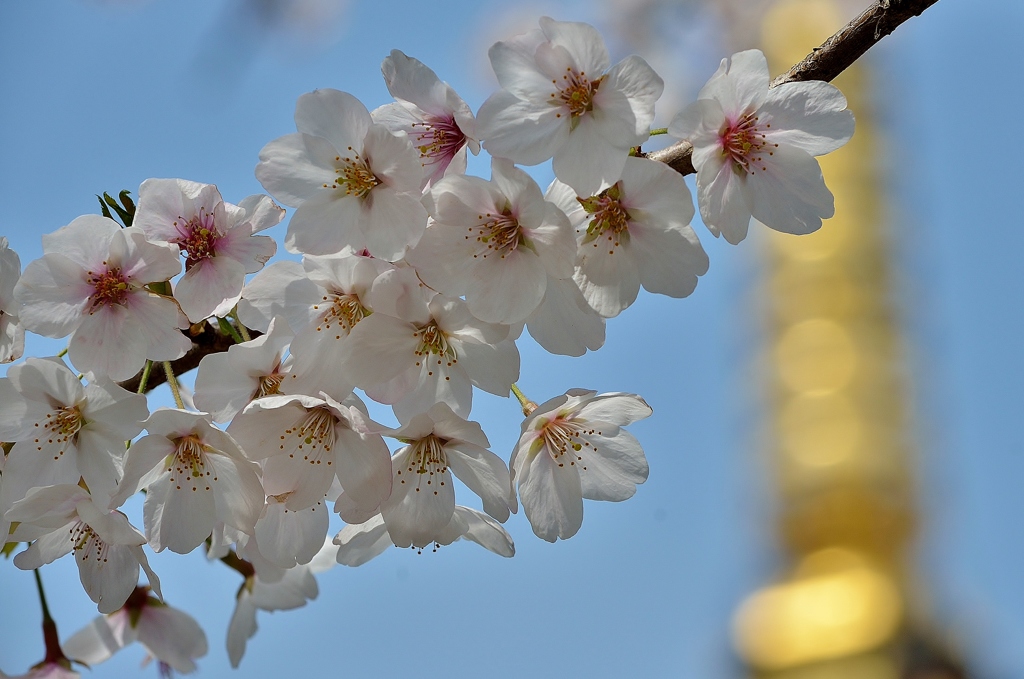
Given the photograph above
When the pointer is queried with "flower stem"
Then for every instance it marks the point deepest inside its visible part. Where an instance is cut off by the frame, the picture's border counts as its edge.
(50, 637)
(172, 381)
(148, 368)
(527, 405)
(63, 353)
(659, 130)
(229, 329)
(244, 330)
(239, 564)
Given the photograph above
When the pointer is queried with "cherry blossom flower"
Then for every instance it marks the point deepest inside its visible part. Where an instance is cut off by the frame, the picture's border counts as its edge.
(422, 501)
(91, 283)
(636, 232)
(170, 635)
(227, 382)
(439, 123)
(574, 447)
(753, 148)
(343, 284)
(436, 354)
(108, 550)
(12, 335)
(354, 182)
(560, 100)
(216, 238)
(496, 242)
(194, 475)
(305, 442)
(63, 430)
(292, 590)
(363, 542)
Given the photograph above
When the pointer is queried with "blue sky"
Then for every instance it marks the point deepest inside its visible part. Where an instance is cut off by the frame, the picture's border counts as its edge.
(100, 96)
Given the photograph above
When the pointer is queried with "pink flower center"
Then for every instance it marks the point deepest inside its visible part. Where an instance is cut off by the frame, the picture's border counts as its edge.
(109, 287)
(437, 139)
(744, 142)
(576, 93)
(497, 234)
(198, 237)
(353, 175)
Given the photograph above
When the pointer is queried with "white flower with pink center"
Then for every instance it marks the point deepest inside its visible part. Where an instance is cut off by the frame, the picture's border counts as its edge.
(108, 550)
(354, 182)
(574, 447)
(422, 502)
(496, 242)
(195, 476)
(91, 283)
(754, 148)
(216, 238)
(63, 430)
(304, 443)
(636, 232)
(560, 100)
(436, 119)
(436, 353)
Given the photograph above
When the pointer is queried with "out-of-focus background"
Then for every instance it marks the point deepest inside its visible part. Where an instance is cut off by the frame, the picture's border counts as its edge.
(836, 449)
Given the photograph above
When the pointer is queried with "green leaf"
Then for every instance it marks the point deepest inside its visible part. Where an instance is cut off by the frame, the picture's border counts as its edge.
(128, 203)
(126, 218)
(105, 211)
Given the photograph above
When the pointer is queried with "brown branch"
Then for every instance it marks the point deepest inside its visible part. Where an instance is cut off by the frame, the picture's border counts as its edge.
(205, 340)
(824, 63)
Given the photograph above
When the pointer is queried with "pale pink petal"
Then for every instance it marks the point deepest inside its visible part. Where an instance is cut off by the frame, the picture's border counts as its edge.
(789, 194)
(208, 285)
(110, 580)
(552, 497)
(565, 323)
(812, 116)
(486, 532)
(517, 129)
(612, 467)
(325, 224)
(287, 537)
(172, 636)
(296, 168)
(336, 116)
(361, 542)
(724, 202)
(484, 473)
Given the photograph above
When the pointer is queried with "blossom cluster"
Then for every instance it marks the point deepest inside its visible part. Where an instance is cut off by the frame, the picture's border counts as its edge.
(411, 284)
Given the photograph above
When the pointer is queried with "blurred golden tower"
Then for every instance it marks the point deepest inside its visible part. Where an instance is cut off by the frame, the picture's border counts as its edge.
(839, 441)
